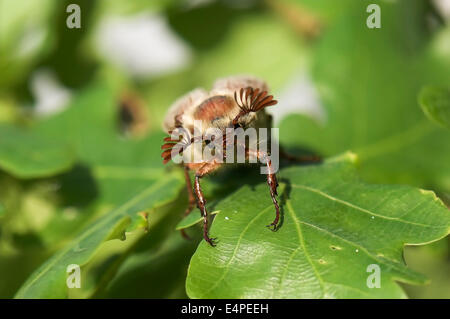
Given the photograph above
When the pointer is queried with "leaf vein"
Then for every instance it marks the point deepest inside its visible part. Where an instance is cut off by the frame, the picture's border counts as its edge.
(302, 243)
(361, 209)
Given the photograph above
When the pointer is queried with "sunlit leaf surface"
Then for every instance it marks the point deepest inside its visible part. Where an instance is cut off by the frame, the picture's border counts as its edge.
(334, 226)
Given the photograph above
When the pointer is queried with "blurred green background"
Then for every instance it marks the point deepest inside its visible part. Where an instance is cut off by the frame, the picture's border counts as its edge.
(81, 113)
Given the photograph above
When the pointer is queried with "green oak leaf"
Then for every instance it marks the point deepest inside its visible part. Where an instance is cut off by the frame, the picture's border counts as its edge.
(435, 102)
(192, 219)
(334, 227)
(111, 169)
(368, 81)
(125, 173)
(49, 280)
(26, 154)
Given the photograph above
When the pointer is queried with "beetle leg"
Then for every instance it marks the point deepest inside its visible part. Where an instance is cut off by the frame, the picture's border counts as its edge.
(201, 202)
(191, 198)
(273, 184)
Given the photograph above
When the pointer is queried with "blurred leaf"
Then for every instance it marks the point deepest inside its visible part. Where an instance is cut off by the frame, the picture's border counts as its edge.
(103, 266)
(254, 43)
(259, 45)
(190, 24)
(369, 80)
(120, 166)
(435, 102)
(192, 219)
(28, 155)
(434, 265)
(49, 281)
(129, 7)
(69, 60)
(157, 267)
(111, 170)
(9, 111)
(334, 226)
(18, 265)
(87, 124)
(24, 37)
(160, 274)
(326, 10)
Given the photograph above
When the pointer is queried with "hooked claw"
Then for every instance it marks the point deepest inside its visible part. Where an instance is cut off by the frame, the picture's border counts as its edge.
(211, 241)
(272, 227)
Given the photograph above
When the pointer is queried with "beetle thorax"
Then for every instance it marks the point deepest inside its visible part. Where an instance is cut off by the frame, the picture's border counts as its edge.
(218, 112)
